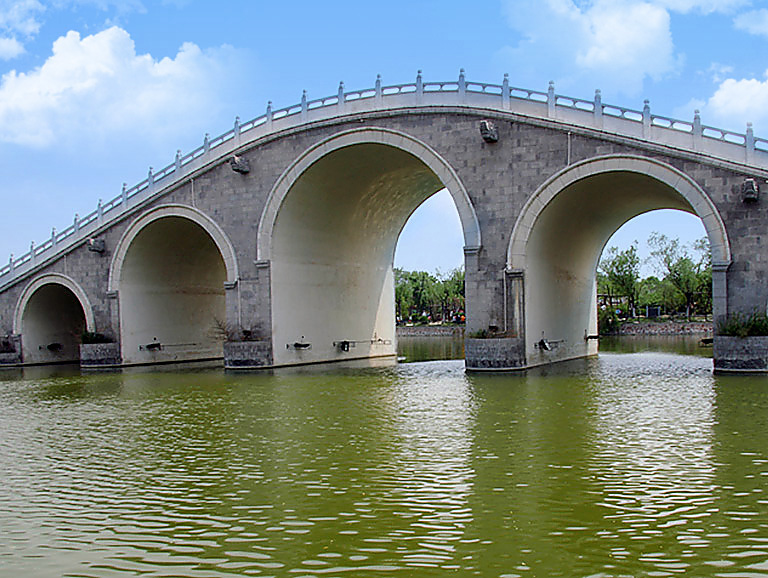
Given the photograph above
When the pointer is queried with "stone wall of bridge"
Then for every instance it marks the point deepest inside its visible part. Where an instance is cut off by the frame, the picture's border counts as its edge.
(498, 177)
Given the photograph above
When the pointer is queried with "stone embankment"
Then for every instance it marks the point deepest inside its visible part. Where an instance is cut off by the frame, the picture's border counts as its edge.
(430, 330)
(667, 328)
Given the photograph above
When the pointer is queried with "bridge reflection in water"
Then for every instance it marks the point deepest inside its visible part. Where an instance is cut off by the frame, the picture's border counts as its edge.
(627, 464)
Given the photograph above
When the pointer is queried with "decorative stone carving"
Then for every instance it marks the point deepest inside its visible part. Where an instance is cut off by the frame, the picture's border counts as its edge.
(488, 131)
(239, 165)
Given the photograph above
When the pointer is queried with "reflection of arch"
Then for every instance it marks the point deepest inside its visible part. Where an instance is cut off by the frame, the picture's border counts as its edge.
(52, 279)
(559, 235)
(216, 233)
(370, 135)
(696, 198)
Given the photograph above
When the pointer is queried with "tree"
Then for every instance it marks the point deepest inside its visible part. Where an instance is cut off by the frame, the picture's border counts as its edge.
(676, 265)
(621, 270)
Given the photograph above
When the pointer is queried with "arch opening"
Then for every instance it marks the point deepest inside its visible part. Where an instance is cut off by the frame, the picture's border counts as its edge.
(332, 250)
(52, 321)
(562, 232)
(171, 275)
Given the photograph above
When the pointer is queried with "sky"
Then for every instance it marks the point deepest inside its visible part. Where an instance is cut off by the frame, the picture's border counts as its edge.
(94, 92)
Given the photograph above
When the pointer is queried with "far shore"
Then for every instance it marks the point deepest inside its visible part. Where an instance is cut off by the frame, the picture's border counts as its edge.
(627, 328)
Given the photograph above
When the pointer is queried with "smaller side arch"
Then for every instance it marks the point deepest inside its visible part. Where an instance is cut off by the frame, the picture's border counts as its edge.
(375, 135)
(52, 279)
(226, 249)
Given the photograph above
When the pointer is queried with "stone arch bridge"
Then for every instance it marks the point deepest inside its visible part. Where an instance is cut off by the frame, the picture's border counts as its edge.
(272, 244)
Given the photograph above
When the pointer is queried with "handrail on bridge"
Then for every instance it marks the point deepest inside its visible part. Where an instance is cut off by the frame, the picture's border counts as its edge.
(503, 97)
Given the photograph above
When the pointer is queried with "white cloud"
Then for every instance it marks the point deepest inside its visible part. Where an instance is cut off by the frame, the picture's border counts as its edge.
(737, 102)
(613, 44)
(703, 6)
(754, 22)
(98, 85)
(10, 48)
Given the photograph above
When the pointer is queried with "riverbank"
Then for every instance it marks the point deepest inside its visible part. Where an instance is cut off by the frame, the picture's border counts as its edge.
(430, 330)
(665, 328)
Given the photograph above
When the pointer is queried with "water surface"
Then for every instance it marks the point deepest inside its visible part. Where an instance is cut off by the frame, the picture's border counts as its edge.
(641, 464)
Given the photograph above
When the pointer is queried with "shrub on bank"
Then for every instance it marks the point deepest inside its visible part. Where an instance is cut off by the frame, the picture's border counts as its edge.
(738, 325)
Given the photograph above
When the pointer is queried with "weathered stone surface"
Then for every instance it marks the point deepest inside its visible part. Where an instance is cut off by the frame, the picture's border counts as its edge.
(494, 353)
(741, 354)
(100, 354)
(247, 354)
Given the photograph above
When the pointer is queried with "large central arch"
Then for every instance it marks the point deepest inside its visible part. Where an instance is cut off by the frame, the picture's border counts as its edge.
(560, 234)
(329, 230)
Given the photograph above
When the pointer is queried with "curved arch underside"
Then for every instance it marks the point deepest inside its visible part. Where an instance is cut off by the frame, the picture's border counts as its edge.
(333, 244)
(560, 248)
(171, 290)
(52, 323)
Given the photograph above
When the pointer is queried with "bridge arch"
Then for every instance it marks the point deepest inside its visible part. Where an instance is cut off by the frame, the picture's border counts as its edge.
(329, 232)
(169, 271)
(562, 230)
(51, 315)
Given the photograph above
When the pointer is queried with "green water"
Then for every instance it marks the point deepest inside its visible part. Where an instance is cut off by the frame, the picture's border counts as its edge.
(641, 464)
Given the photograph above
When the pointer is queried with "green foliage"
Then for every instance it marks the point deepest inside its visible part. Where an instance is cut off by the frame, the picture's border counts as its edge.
(738, 325)
(621, 273)
(607, 321)
(421, 297)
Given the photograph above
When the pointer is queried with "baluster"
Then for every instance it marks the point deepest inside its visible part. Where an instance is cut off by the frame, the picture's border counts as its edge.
(646, 119)
(551, 99)
(750, 143)
(698, 132)
(598, 108)
(419, 88)
(377, 98)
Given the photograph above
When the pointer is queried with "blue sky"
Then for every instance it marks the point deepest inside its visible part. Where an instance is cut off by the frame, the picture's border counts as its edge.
(93, 92)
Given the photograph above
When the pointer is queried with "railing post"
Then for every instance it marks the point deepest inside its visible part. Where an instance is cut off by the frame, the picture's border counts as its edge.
(505, 92)
(10, 264)
(237, 130)
(462, 87)
(340, 98)
(598, 110)
(750, 143)
(151, 180)
(53, 237)
(269, 115)
(304, 109)
(99, 212)
(177, 162)
(419, 88)
(551, 99)
(698, 133)
(207, 144)
(646, 119)
(377, 98)
(32, 258)
(124, 195)
(76, 223)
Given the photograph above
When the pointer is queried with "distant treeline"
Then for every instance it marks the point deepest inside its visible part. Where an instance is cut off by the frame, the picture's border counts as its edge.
(682, 284)
(422, 297)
